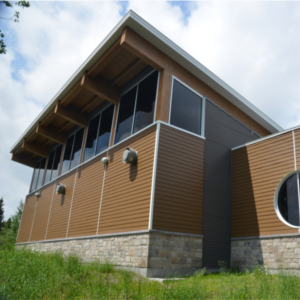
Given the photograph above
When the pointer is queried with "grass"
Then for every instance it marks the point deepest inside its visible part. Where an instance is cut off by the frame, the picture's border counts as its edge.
(35, 275)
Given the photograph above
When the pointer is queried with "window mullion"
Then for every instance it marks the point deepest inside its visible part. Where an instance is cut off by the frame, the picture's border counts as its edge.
(97, 136)
(72, 149)
(134, 111)
(54, 156)
(37, 178)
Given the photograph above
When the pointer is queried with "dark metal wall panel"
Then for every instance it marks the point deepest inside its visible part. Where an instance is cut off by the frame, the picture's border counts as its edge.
(222, 132)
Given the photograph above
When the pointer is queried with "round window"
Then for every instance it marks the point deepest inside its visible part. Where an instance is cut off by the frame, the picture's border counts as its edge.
(287, 200)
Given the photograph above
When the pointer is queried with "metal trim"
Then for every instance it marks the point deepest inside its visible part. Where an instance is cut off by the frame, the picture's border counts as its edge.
(155, 106)
(111, 234)
(105, 168)
(203, 117)
(261, 237)
(154, 177)
(294, 146)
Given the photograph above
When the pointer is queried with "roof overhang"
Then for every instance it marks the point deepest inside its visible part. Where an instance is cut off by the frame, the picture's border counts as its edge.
(177, 54)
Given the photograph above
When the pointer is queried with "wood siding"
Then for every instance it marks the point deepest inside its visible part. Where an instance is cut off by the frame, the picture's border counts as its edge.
(40, 221)
(179, 182)
(256, 172)
(60, 209)
(27, 217)
(86, 201)
(125, 202)
(127, 188)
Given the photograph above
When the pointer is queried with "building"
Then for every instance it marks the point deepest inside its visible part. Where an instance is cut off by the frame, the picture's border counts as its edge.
(138, 160)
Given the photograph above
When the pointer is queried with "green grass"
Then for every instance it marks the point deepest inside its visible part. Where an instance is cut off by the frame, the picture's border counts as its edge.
(33, 275)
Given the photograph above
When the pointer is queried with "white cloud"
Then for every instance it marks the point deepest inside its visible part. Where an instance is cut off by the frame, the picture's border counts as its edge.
(252, 46)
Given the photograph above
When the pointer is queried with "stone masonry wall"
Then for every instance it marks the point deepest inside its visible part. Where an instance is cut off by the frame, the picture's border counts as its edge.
(151, 254)
(272, 253)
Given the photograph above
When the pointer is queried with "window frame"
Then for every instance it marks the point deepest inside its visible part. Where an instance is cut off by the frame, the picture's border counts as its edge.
(136, 84)
(54, 148)
(276, 206)
(38, 161)
(202, 121)
(70, 135)
(87, 130)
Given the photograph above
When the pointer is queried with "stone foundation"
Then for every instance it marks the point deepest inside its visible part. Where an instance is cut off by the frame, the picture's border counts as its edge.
(151, 254)
(271, 253)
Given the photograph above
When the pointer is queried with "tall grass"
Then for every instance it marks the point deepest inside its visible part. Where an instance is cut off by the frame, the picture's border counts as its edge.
(33, 275)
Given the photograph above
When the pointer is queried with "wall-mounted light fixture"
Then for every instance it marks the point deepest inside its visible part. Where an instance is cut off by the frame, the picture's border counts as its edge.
(129, 156)
(37, 194)
(104, 160)
(60, 189)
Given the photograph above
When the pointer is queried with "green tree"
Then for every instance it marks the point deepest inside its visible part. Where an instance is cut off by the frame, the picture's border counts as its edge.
(1, 213)
(14, 18)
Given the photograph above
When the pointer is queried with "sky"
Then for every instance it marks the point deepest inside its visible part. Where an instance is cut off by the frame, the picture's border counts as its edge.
(252, 46)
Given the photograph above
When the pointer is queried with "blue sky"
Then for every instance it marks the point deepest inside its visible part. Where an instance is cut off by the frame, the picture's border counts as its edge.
(252, 46)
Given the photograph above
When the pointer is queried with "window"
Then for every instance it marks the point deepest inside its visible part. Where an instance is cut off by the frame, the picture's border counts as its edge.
(98, 134)
(186, 108)
(53, 164)
(72, 151)
(287, 200)
(136, 110)
(38, 174)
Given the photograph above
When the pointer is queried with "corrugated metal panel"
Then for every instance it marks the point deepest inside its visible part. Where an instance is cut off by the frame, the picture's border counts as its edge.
(27, 217)
(179, 182)
(222, 132)
(127, 188)
(256, 171)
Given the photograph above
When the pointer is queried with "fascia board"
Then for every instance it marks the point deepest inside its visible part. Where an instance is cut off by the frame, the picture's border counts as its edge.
(176, 53)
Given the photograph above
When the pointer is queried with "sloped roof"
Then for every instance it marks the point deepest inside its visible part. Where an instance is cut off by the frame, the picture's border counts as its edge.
(160, 41)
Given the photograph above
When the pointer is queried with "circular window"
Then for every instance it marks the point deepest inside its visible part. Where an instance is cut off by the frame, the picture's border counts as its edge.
(287, 200)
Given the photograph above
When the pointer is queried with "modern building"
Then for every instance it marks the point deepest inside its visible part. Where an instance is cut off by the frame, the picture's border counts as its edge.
(138, 160)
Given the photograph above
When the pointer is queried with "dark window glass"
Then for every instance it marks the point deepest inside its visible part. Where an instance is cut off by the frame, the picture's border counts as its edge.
(186, 108)
(41, 173)
(77, 148)
(49, 167)
(145, 102)
(288, 202)
(91, 138)
(104, 130)
(56, 163)
(126, 110)
(67, 155)
(35, 177)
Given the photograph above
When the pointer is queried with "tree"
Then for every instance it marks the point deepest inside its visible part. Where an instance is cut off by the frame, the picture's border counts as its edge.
(14, 18)
(1, 213)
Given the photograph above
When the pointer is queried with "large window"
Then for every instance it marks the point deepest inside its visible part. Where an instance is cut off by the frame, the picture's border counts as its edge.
(287, 200)
(136, 110)
(72, 151)
(53, 164)
(98, 135)
(186, 108)
(38, 174)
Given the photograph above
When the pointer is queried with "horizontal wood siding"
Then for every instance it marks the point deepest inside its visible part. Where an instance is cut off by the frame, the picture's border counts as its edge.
(179, 182)
(127, 188)
(42, 214)
(60, 209)
(27, 217)
(87, 196)
(256, 172)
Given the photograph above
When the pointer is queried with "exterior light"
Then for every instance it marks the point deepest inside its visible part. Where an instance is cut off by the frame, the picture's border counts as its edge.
(37, 194)
(104, 160)
(60, 189)
(129, 156)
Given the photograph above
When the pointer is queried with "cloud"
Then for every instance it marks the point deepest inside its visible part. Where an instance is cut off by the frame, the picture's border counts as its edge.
(252, 46)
